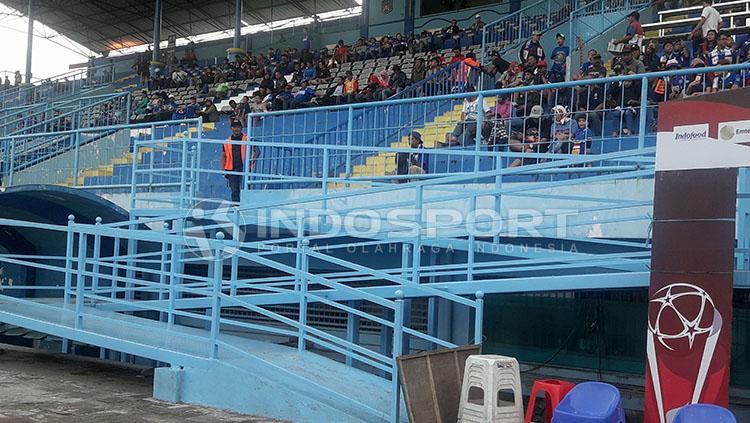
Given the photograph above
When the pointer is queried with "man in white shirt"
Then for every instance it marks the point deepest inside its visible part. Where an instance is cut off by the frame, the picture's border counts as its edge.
(710, 19)
(465, 131)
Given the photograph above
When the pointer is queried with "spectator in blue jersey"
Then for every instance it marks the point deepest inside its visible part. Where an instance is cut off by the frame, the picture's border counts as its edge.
(284, 98)
(532, 47)
(667, 54)
(588, 64)
(582, 136)
(675, 84)
(742, 50)
(722, 54)
(303, 97)
(309, 73)
(192, 108)
(560, 47)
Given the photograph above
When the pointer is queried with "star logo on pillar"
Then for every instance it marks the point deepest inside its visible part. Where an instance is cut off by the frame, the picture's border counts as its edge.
(386, 6)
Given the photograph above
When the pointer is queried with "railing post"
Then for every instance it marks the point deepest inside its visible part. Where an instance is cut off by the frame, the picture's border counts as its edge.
(352, 330)
(478, 317)
(183, 175)
(127, 108)
(324, 178)
(133, 175)
(470, 247)
(349, 136)
(398, 331)
(416, 253)
(193, 172)
(96, 257)
(478, 135)
(303, 295)
(153, 155)
(216, 297)
(174, 270)
(12, 161)
(163, 271)
(642, 111)
(80, 279)
(68, 272)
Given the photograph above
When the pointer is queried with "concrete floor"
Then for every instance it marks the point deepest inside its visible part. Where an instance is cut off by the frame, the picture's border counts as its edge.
(47, 387)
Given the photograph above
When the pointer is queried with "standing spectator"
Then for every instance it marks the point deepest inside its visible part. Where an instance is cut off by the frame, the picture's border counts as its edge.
(18, 78)
(306, 42)
(634, 33)
(233, 159)
(478, 24)
(532, 47)
(710, 20)
(452, 30)
(560, 47)
(6, 83)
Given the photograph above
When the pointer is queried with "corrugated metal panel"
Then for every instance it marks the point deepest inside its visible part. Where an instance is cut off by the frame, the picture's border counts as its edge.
(106, 25)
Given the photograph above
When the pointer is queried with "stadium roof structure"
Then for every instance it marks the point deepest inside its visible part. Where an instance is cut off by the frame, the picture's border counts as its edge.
(110, 25)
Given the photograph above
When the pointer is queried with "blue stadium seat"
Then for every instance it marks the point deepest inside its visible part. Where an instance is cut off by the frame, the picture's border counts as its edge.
(703, 413)
(590, 402)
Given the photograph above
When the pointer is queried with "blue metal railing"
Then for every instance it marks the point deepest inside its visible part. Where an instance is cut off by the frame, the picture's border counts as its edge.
(513, 29)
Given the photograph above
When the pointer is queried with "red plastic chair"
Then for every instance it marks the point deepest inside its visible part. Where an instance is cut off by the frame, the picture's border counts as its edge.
(554, 391)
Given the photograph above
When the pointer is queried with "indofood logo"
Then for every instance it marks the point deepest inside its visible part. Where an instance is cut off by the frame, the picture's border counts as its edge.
(735, 131)
(691, 133)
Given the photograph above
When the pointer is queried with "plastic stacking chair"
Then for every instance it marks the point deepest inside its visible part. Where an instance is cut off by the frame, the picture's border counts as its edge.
(703, 413)
(554, 391)
(485, 376)
(590, 402)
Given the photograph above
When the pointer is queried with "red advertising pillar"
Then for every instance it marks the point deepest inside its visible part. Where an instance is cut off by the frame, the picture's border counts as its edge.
(701, 143)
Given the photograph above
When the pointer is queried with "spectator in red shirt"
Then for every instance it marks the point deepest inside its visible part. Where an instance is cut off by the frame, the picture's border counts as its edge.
(341, 54)
(457, 56)
(634, 31)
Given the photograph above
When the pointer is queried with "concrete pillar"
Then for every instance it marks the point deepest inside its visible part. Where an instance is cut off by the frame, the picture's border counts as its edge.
(29, 41)
(156, 63)
(364, 20)
(409, 11)
(236, 50)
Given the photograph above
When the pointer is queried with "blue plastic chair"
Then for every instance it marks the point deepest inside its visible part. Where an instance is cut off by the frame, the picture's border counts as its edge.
(590, 402)
(700, 413)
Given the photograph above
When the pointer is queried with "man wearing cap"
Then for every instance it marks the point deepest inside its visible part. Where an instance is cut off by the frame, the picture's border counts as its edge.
(629, 63)
(532, 47)
(233, 159)
(560, 47)
(478, 24)
(533, 138)
(634, 33)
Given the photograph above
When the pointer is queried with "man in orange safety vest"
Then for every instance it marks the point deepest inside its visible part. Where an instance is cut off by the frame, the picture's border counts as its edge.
(233, 159)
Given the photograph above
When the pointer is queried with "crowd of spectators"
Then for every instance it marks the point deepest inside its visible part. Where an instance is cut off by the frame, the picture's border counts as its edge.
(5, 83)
(288, 79)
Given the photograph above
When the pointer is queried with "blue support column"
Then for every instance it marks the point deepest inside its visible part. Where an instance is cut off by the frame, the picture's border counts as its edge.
(364, 20)
(409, 6)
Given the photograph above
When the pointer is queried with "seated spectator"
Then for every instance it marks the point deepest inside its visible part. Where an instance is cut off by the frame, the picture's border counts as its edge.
(499, 119)
(309, 73)
(651, 59)
(722, 54)
(466, 130)
(351, 87)
(532, 137)
(373, 48)
(192, 108)
(283, 99)
(457, 55)
(581, 138)
(278, 83)
(324, 74)
(179, 77)
(267, 82)
(629, 63)
(513, 77)
(303, 96)
(627, 104)
(412, 163)
(419, 72)
(667, 54)
(397, 82)
(335, 93)
(209, 112)
(179, 113)
(561, 131)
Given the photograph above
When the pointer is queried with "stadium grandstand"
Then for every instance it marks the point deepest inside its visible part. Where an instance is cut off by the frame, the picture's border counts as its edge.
(389, 210)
